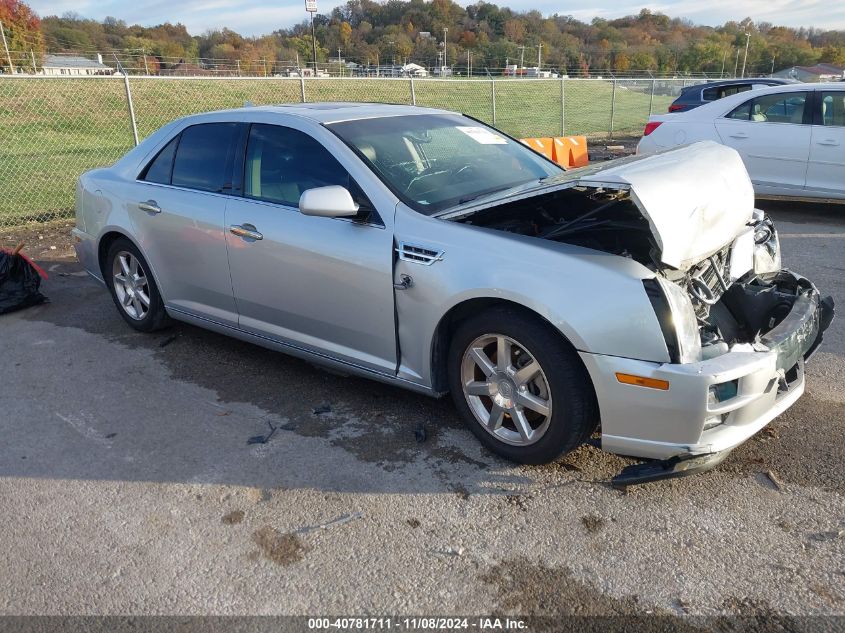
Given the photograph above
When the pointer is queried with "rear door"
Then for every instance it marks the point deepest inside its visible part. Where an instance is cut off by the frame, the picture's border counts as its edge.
(826, 170)
(177, 207)
(772, 134)
(320, 284)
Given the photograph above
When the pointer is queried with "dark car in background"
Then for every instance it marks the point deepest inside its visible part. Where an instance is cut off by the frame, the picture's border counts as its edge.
(699, 94)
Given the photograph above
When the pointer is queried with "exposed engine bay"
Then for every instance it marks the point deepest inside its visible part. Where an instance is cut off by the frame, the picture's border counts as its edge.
(732, 297)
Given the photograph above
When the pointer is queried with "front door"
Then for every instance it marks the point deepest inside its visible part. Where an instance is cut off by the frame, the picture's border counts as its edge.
(320, 284)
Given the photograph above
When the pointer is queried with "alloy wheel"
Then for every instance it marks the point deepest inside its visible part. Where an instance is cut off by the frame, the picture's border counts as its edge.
(506, 389)
(130, 285)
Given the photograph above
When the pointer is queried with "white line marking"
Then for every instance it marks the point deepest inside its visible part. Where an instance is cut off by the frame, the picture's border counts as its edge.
(825, 235)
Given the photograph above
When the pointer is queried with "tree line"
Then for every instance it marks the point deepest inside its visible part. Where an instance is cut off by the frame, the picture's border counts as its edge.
(484, 35)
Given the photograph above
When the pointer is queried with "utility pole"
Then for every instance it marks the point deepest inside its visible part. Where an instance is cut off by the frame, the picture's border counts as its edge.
(445, 30)
(745, 59)
(736, 64)
(539, 59)
(521, 57)
(31, 54)
(724, 57)
(314, 43)
(311, 8)
(264, 63)
(339, 67)
(6, 46)
(771, 74)
(146, 68)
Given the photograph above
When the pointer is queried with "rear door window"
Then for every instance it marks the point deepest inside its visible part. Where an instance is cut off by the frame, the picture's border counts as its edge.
(205, 156)
(161, 167)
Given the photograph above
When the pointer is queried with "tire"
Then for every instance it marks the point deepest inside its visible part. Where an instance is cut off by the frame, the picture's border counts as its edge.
(138, 300)
(558, 380)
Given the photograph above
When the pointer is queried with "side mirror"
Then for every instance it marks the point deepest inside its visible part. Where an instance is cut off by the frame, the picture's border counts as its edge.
(333, 201)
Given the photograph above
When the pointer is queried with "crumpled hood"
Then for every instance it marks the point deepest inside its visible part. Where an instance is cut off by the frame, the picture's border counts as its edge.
(696, 199)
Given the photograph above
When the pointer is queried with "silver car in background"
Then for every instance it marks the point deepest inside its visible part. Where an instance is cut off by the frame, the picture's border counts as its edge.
(427, 250)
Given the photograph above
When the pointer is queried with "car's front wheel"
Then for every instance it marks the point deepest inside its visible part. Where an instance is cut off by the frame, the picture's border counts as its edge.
(133, 288)
(520, 387)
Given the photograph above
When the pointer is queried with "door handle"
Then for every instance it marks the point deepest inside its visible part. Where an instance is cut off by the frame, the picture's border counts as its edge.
(739, 135)
(829, 142)
(247, 231)
(150, 206)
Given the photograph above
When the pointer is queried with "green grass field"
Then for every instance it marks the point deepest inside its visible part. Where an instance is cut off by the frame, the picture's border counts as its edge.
(54, 129)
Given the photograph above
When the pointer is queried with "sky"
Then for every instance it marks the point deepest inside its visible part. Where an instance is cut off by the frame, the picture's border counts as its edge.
(264, 16)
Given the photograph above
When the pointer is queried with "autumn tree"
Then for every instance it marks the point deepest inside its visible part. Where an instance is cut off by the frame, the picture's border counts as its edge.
(23, 34)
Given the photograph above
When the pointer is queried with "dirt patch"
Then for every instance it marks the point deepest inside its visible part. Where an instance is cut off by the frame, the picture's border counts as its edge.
(233, 518)
(602, 148)
(592, 523)
(551, 599)
(42, 240)
(520, 502)
(280, 548)
(756, 616)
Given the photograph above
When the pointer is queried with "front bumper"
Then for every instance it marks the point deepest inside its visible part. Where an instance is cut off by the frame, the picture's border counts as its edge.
(711, 406)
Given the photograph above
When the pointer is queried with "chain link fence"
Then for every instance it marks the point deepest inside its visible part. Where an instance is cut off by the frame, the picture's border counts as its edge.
(52, 129)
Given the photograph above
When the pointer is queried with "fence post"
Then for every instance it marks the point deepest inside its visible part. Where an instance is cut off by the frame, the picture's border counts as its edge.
(131, 107)
(413, 92)
(302, 86)
(651, 100)
(562, 108)
(612, 107)
(493, 98)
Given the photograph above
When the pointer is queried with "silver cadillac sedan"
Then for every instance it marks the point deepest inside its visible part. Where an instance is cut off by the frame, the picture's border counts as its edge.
(427, 250)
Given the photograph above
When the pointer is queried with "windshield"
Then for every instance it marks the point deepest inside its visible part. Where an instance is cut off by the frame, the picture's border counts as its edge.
(435, 161)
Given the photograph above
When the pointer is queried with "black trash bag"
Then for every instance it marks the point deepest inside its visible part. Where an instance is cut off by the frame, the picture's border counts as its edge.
(20, 280)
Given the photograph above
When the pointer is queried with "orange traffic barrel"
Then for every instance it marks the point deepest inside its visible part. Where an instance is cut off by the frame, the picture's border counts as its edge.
(571, 151)
(544, 146)
(578, 156)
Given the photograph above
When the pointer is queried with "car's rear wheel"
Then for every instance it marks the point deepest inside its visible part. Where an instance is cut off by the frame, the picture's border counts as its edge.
(520, 387)
(133, 289)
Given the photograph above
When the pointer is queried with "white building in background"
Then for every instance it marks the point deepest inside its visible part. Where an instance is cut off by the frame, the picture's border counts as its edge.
(306, 72)
(74, 65)
(820, 72)
(414, 70)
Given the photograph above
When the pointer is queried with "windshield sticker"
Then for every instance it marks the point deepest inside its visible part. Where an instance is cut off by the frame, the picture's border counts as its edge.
(482, 135)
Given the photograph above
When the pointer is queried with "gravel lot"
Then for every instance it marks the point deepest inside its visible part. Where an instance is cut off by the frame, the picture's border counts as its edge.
(127, 485)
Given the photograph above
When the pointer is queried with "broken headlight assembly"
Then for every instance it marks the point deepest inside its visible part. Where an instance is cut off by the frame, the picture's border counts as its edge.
(766, 244)
(677, 319)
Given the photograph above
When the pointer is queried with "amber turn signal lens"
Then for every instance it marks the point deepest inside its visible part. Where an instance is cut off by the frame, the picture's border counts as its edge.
(642, 381)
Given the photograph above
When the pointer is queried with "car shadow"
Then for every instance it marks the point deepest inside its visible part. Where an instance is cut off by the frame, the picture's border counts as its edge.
(189, 405)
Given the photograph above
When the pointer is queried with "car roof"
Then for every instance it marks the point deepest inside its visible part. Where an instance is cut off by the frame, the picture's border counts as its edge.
(734, 82)
(726, 104)
(336, 111)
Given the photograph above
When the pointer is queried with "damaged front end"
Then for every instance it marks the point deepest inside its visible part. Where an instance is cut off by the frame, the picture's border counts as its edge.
(738, 327)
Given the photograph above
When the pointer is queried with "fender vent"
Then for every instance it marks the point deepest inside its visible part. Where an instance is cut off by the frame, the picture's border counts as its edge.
(418, 254)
